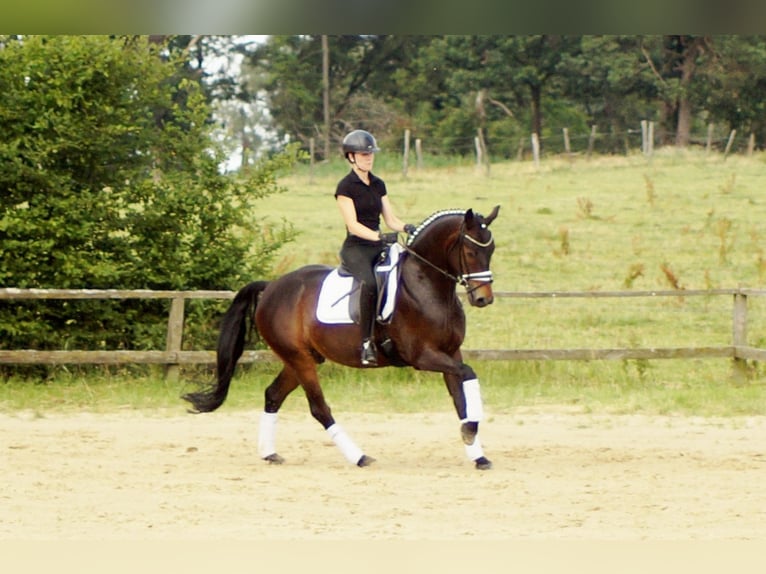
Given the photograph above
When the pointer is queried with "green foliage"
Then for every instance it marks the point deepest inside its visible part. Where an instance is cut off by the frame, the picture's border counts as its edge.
(444, 88)
(109, 179)
(288, 69)
(739, 68)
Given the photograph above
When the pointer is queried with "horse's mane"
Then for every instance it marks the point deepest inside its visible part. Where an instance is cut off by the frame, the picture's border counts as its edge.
(430, 219)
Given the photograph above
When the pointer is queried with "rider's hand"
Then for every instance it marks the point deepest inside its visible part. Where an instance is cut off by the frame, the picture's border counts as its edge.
(389, 238)
(409, 229)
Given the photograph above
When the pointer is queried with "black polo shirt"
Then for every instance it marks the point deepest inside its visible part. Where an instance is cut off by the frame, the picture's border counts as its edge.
(367, 199)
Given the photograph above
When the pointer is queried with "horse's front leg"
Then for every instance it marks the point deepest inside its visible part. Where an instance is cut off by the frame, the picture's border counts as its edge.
(465, 390)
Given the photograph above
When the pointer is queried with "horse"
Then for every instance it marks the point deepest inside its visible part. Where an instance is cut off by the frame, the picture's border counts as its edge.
(425, 332)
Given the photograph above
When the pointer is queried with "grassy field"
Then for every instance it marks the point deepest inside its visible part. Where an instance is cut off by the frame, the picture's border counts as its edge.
(682, 220)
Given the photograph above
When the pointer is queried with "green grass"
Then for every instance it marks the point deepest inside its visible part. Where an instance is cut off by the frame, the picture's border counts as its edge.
(683, 219)
(670, 387)
(698, 203)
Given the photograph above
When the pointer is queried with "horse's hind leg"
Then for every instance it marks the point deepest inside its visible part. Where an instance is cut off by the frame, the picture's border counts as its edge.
(276, 393)
(320, 410)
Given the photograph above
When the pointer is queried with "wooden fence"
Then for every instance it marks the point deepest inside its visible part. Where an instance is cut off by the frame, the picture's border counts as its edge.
(173, 355)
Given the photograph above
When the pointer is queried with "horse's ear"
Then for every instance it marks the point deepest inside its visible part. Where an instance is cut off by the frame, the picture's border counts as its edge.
(472, 219)
(491, 217)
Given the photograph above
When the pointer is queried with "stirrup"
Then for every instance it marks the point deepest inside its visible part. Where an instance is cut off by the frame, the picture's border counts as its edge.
(369, 354)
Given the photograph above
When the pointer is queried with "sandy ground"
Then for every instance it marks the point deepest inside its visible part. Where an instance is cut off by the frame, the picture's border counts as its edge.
(556, 475)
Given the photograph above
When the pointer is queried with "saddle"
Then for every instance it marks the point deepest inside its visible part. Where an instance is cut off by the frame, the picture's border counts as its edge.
(339, 295)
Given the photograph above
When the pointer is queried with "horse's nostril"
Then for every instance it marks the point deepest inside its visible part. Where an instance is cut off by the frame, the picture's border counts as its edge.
(483, 301)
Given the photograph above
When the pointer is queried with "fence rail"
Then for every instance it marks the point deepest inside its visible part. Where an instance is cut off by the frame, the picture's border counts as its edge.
(173, 356)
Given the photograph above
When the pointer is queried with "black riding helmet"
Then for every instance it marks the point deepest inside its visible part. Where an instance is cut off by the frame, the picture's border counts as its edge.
(359, 141)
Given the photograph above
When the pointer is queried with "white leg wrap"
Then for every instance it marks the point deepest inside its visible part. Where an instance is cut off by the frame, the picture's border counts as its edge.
(474, 451)
(474, 409)
(347, 446)
(267, 434)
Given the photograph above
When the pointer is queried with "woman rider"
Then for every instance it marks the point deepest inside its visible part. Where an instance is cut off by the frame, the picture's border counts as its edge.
(362, 199)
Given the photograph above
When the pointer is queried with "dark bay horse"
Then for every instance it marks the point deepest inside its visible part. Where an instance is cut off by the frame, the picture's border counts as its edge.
(426, 330)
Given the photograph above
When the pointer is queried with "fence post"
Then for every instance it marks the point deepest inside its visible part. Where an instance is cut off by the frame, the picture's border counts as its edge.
(591, 139)
(418, 153)
(729, 143)
(536, 149)
(644, 137)
(482, 146)
(311, 160)
(175, 334)
(739, 333)
(406, 153)
(647, 138)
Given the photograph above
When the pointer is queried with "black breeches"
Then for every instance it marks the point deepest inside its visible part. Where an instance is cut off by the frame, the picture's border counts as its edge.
(360, 261)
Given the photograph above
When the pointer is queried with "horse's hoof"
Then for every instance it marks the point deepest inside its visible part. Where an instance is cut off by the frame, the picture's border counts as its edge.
(365, 461)
(482, 463)
(274, 459)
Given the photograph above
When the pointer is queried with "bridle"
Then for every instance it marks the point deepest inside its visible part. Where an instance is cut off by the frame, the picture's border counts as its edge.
(462, 278)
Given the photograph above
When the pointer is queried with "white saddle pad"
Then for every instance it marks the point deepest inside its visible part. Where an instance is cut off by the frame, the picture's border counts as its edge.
(335, 294)
(334, 298)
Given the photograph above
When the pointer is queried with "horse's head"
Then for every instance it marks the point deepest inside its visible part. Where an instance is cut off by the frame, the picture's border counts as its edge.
(458, 245)
(475, 246)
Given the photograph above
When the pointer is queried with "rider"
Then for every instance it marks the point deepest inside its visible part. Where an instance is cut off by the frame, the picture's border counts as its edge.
(362, 199)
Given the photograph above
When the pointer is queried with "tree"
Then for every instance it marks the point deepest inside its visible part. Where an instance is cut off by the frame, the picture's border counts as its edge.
(608, 79)
(735, 82)
(534, 64)
(361, 93)
(509, 77)
(109, 179)
(444, 87)
(674, 61)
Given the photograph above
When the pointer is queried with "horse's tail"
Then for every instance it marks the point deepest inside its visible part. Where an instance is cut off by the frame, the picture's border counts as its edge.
(231, 344)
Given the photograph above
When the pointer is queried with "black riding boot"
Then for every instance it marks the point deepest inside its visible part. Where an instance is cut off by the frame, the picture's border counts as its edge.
(367, 323)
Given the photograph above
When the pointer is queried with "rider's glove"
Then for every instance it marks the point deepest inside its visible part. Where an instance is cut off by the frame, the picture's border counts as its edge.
(389, 238)
(409, 229)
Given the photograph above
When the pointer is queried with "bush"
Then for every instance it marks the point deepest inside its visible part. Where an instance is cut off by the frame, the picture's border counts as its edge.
(109, 178)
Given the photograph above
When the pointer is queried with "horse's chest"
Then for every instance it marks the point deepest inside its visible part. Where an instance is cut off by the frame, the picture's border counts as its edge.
(444, 324)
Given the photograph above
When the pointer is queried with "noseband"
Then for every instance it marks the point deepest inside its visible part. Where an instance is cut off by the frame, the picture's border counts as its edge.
(462, 278)
(482, 276)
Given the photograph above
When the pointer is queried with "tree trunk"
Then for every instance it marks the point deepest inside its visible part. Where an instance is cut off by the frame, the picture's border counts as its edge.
(692, 47)
(684, 124)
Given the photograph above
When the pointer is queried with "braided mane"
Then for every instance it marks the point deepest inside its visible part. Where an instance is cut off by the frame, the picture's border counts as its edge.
(430, 219)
